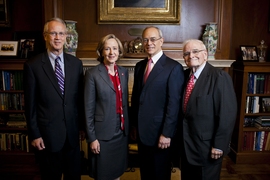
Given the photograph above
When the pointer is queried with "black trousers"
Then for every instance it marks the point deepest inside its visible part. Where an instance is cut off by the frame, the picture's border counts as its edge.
(55, 164)
(188, 171)
(155, 163)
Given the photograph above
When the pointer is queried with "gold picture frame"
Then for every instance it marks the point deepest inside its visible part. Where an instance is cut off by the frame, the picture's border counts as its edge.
(108, 13)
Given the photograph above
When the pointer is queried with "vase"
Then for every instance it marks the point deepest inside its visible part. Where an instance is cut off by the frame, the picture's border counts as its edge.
(71, 43)
(210, 38)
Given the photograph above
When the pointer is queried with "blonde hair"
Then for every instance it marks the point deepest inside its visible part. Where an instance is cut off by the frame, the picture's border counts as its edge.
(101, 44)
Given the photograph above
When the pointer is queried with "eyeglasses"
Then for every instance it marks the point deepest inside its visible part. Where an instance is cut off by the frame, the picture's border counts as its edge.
(152, 39)
(194, 51)
(54, 34)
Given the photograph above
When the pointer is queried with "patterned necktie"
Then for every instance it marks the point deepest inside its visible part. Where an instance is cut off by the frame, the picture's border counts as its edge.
(148, 70)
(189, 88)
(59, 75)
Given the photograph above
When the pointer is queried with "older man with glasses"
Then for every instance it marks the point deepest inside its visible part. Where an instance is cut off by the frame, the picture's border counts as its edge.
(209, 113)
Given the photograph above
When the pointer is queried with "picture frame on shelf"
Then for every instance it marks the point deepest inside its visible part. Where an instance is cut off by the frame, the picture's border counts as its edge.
(31, 43)
(249, 53)
(8, 48)
(26, 46)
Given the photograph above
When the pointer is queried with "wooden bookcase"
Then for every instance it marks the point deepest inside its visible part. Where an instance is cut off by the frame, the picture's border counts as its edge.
(242, 144)
(13, 159)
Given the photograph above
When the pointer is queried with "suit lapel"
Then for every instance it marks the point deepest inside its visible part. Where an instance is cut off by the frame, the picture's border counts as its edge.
(122, 78)
(47, 66)
(159, 66)
(104, 75)
(201, 82)
(68, 73)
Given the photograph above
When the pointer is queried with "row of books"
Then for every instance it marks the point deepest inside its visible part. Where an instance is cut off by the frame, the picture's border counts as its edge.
(261, 122)
(14, 142)
(258, 83)
(256, 141)
(11, 101)
(256, 104)
(11, 80)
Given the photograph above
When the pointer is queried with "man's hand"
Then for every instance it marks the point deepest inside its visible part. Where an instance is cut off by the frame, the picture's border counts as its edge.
(164, 142)
(216, 153)
(38, 144)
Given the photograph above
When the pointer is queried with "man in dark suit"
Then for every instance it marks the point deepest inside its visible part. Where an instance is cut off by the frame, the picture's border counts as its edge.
(53, 107)
(155, 105)
(208, 116)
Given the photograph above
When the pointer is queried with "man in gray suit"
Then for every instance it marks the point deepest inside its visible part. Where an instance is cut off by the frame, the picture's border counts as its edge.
(155, 105)
(53, 108)
(208, 115)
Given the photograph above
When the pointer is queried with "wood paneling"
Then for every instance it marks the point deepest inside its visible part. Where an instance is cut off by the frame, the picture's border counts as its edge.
(194, 16)
(250, 25)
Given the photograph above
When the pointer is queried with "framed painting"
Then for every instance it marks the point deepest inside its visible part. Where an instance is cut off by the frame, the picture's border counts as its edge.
(8, 48)
(4, 13)
(139, 11)
(249, 53)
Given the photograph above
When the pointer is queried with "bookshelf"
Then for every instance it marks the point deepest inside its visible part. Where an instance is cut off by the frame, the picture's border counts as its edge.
(12, 123)
(252, 86)
(14, 146)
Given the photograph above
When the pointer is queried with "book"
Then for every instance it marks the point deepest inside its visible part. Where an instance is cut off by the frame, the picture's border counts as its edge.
(263, 121)
(267, 144)
(258, 140)
(261, 140)
(265, 139)
(259, 126)
(250, 83)
(247, 104)
(262, 82)
(265, 104)
(249, 122)
(266, 77)
(256, 105)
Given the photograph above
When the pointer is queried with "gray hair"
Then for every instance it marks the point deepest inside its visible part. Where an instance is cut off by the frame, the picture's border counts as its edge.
(159, 31)
(196, 41)
(45, 30)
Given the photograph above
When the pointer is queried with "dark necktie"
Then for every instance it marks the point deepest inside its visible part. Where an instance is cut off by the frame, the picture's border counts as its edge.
(148, 70)
(59, 75)
(189, 88)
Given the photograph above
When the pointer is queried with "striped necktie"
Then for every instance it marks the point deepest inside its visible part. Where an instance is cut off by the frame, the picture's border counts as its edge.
(59, 75)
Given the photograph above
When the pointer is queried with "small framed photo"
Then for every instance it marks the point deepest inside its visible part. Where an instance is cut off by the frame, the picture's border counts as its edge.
(26, 46)
(30, 44)
(249, 53)
(8, 48)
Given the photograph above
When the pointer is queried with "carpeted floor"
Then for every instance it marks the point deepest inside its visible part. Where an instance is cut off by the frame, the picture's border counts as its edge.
(136, 175)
